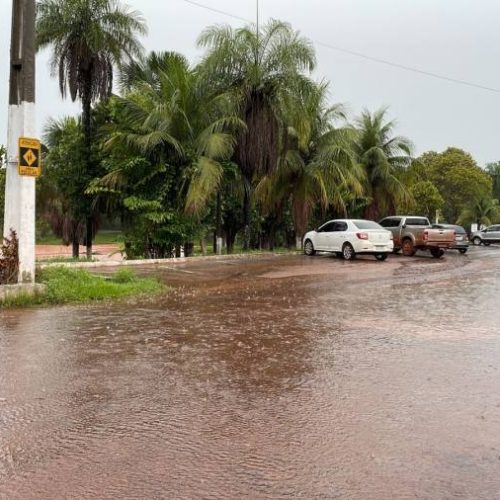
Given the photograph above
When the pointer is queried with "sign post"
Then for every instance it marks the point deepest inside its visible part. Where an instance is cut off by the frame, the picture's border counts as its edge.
(23, 155)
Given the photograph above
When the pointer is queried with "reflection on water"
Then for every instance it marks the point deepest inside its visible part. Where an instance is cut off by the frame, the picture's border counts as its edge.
(269, 378)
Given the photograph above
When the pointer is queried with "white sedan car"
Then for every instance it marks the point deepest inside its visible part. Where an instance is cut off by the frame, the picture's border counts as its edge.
(349, 237)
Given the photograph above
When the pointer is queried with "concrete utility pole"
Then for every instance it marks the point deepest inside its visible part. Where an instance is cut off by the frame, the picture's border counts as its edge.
(20, 190)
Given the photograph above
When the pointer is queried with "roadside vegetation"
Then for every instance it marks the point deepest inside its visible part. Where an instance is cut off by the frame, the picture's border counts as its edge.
(63, 285)
(247, 145)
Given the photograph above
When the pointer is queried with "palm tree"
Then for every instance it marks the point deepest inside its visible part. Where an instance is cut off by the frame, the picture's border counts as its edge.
(260, 69)
(61, 193)
(172, 119)
(89, 38)
(384, 159)
(318, 167)
(483, 211)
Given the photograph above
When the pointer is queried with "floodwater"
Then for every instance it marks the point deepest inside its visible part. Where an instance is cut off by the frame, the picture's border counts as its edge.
(277, 377)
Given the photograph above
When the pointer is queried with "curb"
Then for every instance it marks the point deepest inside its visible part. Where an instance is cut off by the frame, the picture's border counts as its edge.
(159, 262)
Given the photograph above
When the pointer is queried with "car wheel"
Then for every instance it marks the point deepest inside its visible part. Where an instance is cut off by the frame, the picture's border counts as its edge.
(309, 248)
(348, 252)
(463, 251)
(477, 241)
(437, 253)
(486, 243)
(381, 256)
(408, 248)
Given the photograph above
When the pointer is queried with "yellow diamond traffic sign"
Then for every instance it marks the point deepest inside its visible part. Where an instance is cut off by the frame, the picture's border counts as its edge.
(29, 157)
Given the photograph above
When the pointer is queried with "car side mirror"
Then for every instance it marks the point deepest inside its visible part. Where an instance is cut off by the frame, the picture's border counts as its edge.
(404, 226)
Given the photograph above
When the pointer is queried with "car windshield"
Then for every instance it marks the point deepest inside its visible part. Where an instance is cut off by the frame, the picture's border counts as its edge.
(366, 224)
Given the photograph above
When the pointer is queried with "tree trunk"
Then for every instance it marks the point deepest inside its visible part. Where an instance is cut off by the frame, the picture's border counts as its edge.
(247, 209)
(75, 244)
(89, 236)
(230, 237)
(87, 134)
(298, 242)
(372, 211)
(218, 221)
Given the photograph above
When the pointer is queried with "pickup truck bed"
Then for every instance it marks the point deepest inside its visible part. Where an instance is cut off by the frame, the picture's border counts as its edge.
(412, 233)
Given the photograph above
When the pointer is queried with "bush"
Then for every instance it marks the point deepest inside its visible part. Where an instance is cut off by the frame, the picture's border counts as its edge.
(9, 262)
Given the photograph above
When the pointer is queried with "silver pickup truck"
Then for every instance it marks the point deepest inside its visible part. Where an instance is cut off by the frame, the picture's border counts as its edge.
(412, 233)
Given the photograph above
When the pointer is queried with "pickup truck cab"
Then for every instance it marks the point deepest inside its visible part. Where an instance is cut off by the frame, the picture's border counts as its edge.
(412, 233)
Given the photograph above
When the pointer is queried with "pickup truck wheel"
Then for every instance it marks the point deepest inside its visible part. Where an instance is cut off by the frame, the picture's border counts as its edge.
(463, 251)
(486, 243)
(477, 241)
(309, 248)
(437, 252)
(348, 252)
(408, 248)
(381, 257)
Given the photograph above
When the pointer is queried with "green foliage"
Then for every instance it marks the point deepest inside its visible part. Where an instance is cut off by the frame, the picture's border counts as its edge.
(89, 38)
(318, 168)
(64, 285)
(493, 170)
(245, 143)
(61, 199)
(263, 73)
(167, 137)
(458, 178)
(485, 211)
(384, 159)
(424, 200)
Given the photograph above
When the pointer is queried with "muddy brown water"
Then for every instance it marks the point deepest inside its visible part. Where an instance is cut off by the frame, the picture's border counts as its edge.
(280, 377)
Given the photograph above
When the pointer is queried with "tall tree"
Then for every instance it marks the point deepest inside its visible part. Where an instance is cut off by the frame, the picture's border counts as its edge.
(459, 179)
(384, 158)
(261, 69)
(89, 39)
(493, 170)
(61, 199)
(483, 211)
(318, 168)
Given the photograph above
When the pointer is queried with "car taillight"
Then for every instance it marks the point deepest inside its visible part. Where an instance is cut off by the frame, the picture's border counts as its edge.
(426, 236)
(362, 236)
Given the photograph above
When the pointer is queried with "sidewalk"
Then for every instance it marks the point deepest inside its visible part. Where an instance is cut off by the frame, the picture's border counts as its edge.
(101, 253)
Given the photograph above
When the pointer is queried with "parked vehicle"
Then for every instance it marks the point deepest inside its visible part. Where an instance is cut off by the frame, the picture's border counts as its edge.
(461, 238)
(348, 238)
(486, 236)
(413, 233)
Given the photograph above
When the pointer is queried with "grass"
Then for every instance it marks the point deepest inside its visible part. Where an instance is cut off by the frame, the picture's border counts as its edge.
(102, 238)
(72, 286)
(63, 260)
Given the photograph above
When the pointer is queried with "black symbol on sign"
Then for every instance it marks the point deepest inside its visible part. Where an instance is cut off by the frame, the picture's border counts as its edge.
(29, 158)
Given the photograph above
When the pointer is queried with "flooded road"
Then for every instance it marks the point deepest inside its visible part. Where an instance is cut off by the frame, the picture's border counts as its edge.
(277, 377)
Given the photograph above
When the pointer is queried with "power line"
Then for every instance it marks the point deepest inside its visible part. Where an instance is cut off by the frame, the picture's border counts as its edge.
(365, 56)
(206, 7)
(408, 68)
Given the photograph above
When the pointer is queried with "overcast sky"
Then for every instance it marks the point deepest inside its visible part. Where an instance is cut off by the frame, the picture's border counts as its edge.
(455, 38)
